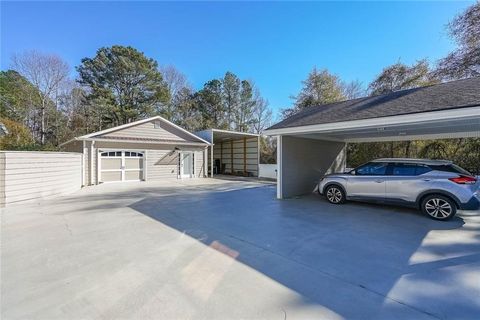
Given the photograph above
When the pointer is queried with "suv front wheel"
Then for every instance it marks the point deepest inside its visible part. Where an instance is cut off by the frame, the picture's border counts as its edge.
(438, 207)
(335, 194)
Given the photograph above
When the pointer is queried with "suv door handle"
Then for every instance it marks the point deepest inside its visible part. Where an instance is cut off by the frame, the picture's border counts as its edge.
(378, 181)
(426, 179)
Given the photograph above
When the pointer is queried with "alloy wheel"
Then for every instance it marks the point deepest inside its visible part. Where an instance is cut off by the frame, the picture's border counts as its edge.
(438, 208)
(334, 195)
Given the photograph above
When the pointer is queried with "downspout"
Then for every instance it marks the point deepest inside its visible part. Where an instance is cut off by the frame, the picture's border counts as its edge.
(83, 163)
(279, 168)
(91, 162)
(205, 162)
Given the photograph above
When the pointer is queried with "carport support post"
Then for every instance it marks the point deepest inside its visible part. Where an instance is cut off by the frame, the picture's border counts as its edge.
(231, 155)
(244, 156)
(279, 168)
(91, 161)
(221, 157)
(211, 161)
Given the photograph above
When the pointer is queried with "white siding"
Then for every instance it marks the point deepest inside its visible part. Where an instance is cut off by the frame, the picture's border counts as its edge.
(199, 164)
(161, 160)
(33, 175)
(162, 164)
(148, 130)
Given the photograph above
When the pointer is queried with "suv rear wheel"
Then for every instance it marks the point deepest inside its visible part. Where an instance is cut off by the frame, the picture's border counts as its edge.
(438, 207)
(335, 194)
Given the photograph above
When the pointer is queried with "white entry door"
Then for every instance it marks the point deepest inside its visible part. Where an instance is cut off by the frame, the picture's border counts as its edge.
(186, 165)
(121, 165)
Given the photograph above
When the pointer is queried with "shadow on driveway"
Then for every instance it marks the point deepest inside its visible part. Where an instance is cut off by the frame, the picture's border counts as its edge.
(356, 260)
(215, 249)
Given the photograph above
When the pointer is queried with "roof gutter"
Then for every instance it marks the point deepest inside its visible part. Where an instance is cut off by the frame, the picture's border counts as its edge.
(66, 142)
(146, 142)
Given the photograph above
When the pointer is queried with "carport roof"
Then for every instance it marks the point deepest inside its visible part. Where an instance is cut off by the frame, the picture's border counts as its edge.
(218, 135)
(445, 96)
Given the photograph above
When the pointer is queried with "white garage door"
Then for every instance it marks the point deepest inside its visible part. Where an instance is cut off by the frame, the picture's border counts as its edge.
(121, 165)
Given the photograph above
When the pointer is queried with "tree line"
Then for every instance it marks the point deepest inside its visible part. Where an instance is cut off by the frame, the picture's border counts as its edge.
(322, 87)
(45, 106)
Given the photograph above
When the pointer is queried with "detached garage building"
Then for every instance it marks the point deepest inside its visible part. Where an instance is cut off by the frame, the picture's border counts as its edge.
(312, 142)
(150, 149)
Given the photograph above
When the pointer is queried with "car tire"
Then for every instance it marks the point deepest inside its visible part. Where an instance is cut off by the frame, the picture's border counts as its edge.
(438, 207)
(335, 194)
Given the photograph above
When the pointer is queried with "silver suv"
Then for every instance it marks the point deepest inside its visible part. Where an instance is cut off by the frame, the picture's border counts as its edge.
(437, 187)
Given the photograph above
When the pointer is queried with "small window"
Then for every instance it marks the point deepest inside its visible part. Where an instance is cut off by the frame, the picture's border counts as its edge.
(104, 154)
(111, 154)
(157, 124)
(421, 169)
(372, 169)
(133, 154)
(451, 168)
(127, 153)
(404, 169)
(140, 154)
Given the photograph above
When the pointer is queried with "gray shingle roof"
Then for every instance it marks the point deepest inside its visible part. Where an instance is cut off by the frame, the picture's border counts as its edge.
(449, 95)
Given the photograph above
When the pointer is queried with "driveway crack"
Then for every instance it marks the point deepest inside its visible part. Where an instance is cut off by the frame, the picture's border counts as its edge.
(66, 225)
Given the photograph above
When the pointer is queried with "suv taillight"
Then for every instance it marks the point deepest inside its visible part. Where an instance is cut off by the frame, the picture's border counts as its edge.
(463, 180)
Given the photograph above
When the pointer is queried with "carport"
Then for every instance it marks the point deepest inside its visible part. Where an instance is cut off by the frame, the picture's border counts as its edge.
(232, 152)
(313, 142)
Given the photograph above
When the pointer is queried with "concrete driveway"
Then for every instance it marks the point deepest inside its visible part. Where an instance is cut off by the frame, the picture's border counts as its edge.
(213, 249)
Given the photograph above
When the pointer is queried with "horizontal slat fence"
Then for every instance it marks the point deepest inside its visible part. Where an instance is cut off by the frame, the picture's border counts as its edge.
(29, 175)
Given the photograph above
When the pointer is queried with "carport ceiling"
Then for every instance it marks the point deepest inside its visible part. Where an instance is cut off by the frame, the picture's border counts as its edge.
(447, 110)
(225, 135)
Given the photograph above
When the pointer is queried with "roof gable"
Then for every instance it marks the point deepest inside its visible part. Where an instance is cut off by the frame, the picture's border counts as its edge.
(155, 128)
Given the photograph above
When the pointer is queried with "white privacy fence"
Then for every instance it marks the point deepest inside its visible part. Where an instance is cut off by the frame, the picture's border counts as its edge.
(267, 171)
(29, 175)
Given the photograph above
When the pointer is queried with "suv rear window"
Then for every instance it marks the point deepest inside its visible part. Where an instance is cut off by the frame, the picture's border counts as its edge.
(451, 168)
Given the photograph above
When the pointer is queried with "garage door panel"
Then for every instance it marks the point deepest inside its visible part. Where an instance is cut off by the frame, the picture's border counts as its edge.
(109, 164)
(110, 176)
(133, 175)
(121, 165)
(135, 163)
